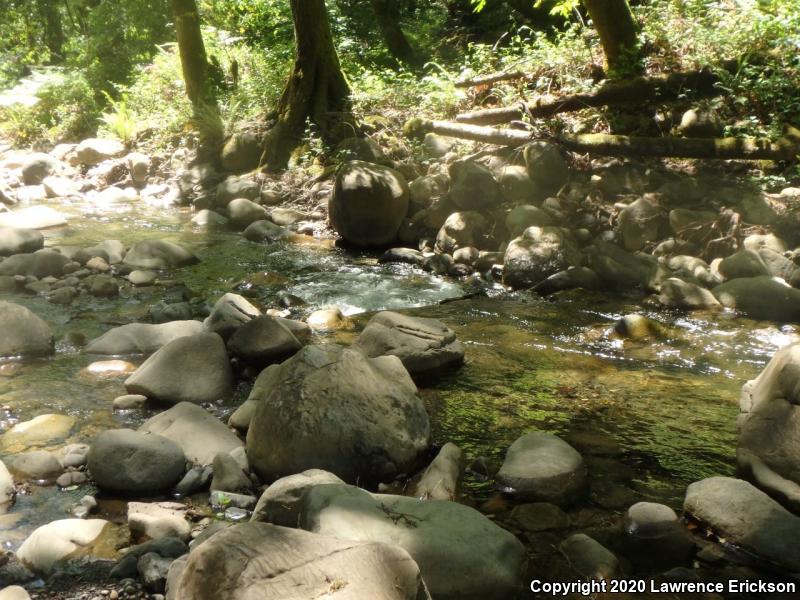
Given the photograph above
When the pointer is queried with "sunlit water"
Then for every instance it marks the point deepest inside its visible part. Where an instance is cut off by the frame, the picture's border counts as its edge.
(650, 417)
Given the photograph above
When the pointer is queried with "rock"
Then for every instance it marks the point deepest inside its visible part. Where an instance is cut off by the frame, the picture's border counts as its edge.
(436, 145)
(524, 216)
(158, 255)
(442, 537)
(546, 167)
(636, 327)
(153, 570)
(71, 478)
(63, 296)
(188, 369)
(243, 212)
(19, 241)
(265, 231)
(32, 217)
(700, 124)
(229, 313)
(280, 503)
(139, 167)
(745, 263)
(236, 187)
(40, 264)
(200, 435)
(368, 203)
(473, 187)
(129, 402)
(23, 333)
(263, 340)
(74, 455)
(157, 520)
(37, 166)
(93, 151)
(424, 346)
(589, 558)
(746, 517)
(36, 464)
(640, 223)
(141, 278)
(166, 547)
(537, 254)
(242, 416)
(286, 216)
(460, 230)
(98, 263)
(655, 537)
(769, 427)
(402, 255)
(39, 431)
(569, 279)
(441, 479)
(676, 293)
(103, 286)
(228, 475)
(756, 210)
(257, 560)
(329, 319)
(363, 415)
(354, 148)
(761, 298)
(142, 338)
(541, 466)
(539, 516)
(196, 479)
(58, 541)
(14, 592)
(7, 491)
(133, 463)
(209, 219)
(59, 187)
(618, 269)
(241, 152)
(516, 185)
(112, 251)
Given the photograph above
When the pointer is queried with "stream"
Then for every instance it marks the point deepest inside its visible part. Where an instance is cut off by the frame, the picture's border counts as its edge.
(649, 417)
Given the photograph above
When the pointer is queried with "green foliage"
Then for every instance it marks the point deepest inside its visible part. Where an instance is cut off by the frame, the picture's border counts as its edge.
(119, 121)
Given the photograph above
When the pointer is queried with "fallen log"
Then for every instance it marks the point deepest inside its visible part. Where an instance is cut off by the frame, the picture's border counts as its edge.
(639, 90)
(490, 79)
(783, 149)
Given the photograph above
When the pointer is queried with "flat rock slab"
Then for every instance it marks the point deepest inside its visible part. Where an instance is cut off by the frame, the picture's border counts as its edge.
(265, 562)
(39, 431)
(745, 516)
(141, 338)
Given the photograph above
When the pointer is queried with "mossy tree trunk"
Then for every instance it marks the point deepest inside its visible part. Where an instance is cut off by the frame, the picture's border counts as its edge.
(387, 14)
(614, 23)
(317, 89)
(194, 62)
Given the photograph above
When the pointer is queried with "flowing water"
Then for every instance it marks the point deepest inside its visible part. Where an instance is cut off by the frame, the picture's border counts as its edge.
(650, 417)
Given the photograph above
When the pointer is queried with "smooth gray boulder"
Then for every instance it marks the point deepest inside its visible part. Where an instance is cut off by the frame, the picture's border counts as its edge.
(200, 435)
(442, 478)
(546, 167)
(158, 255)
(769, 428)
(524, 216)
(240, 186)
(541, 466)
(193, 368)
(589, 558)
(263, 340)
(761, 298)
(442, 537)
(229, 313)
(42, 263)
(265, 231)
(676, 293)
(258, 561)
(368, 203)
(618, 269)
(58, 541)
(424, 346)
(36, 464)
(93, 151)
(22, 333)
(537, 254)
(281, 502)
(228, 474)
(745, 516)
(133, 463)
(334, 408)
(473, 186)
(243, 212)
(141, 338)
(19, 241)
(640, 223)
(460, 230)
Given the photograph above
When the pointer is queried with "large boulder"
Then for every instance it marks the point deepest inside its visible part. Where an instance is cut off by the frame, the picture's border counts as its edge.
(200, 435)
(442, 537)
(524, 216)
(22, 333)
(61, 540)
(134, 463)
(368, 204)
(677, 293)
(265, 231)
(473, 186)
(19, 241)
(769, 427)
(281, 502)
(236, 187)
(158, 254)
(39, 264)
(193, 368)
(334, 408)
(243, 212)
(7, 491)
(241, 152)
(546, 167)
(425, 346)
(761, 298)
(229, 313)
(542, 467)
(93, 151)
(141, 338)
(618, 269)
(461, 230)
(640, 222)
(37, 166)
(258, 561)
(538, 253)
(745, 516)
(263, 340)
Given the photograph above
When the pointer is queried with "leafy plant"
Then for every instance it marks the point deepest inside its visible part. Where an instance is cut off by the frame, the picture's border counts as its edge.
(119, 121)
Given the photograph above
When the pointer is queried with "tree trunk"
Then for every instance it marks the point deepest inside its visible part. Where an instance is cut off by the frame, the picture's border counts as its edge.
(53, 31)
(614, 24)
(317, 89)
(194, 62)
(387, 14)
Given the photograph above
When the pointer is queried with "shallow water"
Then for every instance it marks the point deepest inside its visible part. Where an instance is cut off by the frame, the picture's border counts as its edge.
(650, 417)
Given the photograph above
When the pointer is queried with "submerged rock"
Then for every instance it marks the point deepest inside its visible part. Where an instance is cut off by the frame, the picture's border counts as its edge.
(39, 431)
(334, 408)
